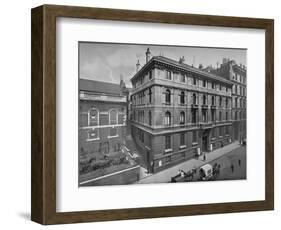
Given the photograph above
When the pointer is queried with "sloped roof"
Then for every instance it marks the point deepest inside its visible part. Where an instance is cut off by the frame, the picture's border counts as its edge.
(99, 87)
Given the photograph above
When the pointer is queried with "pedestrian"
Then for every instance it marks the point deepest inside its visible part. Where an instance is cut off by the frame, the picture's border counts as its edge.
(204, 157)
(239, 162)
(232, 167)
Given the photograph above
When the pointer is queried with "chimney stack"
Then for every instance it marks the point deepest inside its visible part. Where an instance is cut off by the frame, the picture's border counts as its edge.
(147, 54)
(138, 65)
(182, 60)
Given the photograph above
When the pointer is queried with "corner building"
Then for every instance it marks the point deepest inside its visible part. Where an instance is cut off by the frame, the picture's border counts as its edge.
(178, 111)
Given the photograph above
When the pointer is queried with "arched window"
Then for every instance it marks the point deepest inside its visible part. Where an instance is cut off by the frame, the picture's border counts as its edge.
(182, 97)
(167, 118)
(194, 99)
(182, 118)
(168, 96)
(149, 118)
(113, 117)
(204, 100)
(93, 117)
(213, 100)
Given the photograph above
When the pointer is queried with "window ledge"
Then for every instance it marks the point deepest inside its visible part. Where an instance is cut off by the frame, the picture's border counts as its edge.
(93, 139)
(113, 136)
(182, 146)
(194, 143)
(168, 150)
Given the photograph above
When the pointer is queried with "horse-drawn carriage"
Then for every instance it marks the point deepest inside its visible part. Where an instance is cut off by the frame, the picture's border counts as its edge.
(209, 172)
(183, 176)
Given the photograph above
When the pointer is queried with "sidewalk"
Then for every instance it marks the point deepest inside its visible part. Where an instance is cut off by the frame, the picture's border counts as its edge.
(165, 175)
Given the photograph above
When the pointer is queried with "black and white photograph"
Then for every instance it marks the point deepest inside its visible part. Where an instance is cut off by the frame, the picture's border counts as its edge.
(161, 114)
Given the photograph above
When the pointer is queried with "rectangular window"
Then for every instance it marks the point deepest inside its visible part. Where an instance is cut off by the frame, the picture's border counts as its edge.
(182, 139)
(93, 117)
(113, 132)
(213, 85)
(204, 83)
(194, 136)
(193, 116)
(93, 134)
(194, 81)
(168, 144)
(220, 131)
(169, 75)
(213, 115)
(150, 75)
(182, 78)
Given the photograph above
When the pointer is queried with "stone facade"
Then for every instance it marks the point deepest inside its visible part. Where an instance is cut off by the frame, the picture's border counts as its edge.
(178, 111)
(237, 74)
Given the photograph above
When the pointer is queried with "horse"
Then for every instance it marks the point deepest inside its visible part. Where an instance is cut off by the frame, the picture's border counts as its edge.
(189, 174)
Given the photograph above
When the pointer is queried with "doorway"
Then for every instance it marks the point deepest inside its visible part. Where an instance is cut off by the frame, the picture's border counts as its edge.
(205, 143)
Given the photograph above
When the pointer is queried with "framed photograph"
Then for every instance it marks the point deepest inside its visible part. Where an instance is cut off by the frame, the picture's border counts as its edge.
(140, 114)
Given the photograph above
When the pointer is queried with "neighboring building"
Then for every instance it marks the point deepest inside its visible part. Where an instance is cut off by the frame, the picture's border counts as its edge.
(238, 75)
(178, 111)
(102, 120)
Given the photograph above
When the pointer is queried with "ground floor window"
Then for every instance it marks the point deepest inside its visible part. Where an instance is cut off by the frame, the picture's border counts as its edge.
(168, 159)
(168, 144)
(113, 132)
(182, 139)
(93, 134)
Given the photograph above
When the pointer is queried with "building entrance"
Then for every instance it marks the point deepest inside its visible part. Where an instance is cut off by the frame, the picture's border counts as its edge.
(205, 143)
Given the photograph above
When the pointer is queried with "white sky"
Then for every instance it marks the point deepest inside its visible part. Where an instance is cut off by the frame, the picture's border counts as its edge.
(107, 61)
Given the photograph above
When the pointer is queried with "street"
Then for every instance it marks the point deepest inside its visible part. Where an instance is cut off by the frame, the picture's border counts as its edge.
(223, 156)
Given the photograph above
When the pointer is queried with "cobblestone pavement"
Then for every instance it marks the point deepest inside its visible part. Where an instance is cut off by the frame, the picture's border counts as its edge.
(224, 155)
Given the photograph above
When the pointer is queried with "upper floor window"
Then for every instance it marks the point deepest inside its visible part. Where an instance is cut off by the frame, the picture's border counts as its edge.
(213, 115)
(169, 75)
(213, 85)
(150, 75)
(182, 118)
(150, 118)
(194, 136)
(204, 100)
(220, 102)
(220, 116)
(182, 96)
(149, 95)
(213, 100)
(220, 87)
(167, 118)
(226, 115)
(93, 117)
(204, 83)
(182, 78)
(193, 116)
(168, 96)
(194, 81)
(113, 117)
(194, 99)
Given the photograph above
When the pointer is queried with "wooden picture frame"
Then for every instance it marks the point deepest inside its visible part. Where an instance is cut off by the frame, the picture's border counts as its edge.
(43, 205)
